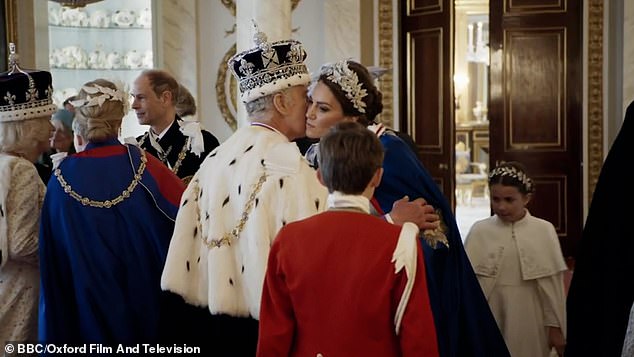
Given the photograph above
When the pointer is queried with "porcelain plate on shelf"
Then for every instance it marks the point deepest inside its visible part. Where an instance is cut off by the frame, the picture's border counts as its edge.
(74, 17)
(100, 18)
(123, 18)
(117, 43)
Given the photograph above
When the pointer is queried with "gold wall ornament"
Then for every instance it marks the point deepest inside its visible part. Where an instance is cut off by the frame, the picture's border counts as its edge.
(386, 60)
(221, 93)
(75, 3)
(233, 30)
(231, 5)
(595, 93)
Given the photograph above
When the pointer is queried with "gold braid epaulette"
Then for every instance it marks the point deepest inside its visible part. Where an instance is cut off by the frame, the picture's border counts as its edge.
(438, 235)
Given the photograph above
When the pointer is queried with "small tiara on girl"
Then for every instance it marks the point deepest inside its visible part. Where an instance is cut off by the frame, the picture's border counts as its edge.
(512, 172)
(97, 95)
(340, 74)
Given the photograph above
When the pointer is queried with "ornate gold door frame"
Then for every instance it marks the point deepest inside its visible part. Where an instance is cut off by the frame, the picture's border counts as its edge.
(386, 59)
(594, 78)
(594, 137)
(10, 28)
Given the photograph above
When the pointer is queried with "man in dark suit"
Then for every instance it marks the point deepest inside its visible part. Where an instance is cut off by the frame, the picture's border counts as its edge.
(180, 144)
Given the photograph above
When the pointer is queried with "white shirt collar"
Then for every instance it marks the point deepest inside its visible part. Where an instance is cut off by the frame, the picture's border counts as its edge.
(159, 136)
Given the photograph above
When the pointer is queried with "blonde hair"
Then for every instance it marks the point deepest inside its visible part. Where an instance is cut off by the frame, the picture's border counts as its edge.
(23, 137)
(103, 121)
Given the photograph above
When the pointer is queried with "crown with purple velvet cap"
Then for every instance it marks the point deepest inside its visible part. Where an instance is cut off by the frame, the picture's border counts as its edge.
(269, 67)
(24, 94)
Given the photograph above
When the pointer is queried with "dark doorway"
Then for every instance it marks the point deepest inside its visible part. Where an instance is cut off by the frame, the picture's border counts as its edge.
(535, 105)
(534, 101)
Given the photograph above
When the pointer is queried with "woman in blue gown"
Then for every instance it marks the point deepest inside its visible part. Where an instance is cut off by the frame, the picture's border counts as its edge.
(106, 223)
(464, 324)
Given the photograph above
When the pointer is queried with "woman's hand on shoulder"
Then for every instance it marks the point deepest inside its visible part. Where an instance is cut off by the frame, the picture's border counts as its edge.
(417, 211)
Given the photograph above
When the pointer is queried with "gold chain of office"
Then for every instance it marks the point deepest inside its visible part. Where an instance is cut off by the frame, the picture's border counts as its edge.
(235, 232)
(181, 155)
(107, 203)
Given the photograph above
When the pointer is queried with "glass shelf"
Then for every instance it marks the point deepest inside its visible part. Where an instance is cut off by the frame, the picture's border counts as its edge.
(92, 28)
(98, 69)
(128, 48)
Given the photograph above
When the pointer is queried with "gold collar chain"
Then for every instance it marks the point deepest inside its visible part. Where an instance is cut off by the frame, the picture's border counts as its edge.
(181, 157)
(107, 203)
(234, 234)
(181, 154)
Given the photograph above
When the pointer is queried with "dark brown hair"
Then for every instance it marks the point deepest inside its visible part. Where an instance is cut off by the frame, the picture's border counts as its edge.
(349, 155)
(373, 100)
(512, 173)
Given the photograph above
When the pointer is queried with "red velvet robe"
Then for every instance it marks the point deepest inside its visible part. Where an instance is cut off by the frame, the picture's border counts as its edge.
(331, 289)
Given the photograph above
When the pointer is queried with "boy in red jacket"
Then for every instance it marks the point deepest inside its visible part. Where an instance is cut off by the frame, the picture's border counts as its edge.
(344, 282)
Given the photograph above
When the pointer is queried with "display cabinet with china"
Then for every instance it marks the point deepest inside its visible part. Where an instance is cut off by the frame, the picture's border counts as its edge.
(109, 39)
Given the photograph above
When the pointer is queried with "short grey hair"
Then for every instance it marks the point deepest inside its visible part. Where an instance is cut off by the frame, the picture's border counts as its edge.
(80, 127)
(261, 105)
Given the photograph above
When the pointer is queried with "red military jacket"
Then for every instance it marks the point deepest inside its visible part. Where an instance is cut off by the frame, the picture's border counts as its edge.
(331, 289)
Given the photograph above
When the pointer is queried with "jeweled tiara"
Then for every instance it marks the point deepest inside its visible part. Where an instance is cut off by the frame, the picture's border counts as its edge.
(340, 74)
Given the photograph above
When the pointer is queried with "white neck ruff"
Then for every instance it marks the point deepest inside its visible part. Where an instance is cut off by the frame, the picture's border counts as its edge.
(339, 200)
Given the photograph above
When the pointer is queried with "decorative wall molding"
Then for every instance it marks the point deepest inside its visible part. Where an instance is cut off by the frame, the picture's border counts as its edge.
(230, 5)
(595, 93)
(594, 79)
(11, 13)
(222, 76)
(386, 60)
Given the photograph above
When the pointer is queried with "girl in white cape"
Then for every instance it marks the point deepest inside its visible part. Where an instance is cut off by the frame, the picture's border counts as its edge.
(519, 264)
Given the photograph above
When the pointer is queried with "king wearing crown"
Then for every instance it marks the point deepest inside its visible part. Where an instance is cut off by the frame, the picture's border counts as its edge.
(248, 188)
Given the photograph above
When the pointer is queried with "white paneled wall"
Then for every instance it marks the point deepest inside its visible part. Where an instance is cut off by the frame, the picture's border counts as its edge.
(326, 28)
